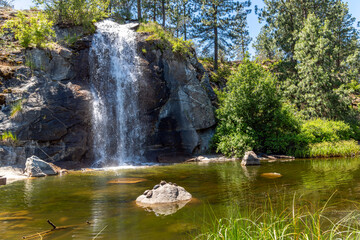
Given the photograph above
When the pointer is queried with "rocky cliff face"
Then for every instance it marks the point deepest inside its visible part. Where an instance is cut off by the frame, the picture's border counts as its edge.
(175, 94)
(54, 120)
(45, 104)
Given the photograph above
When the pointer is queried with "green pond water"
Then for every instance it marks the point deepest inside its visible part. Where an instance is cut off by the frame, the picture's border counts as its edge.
(217, 188)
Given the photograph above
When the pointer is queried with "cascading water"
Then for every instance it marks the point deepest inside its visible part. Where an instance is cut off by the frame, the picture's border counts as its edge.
(114, 69)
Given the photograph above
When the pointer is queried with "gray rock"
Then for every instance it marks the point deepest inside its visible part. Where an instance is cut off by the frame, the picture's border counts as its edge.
(250, 158)
(35, 167)
(166, 193)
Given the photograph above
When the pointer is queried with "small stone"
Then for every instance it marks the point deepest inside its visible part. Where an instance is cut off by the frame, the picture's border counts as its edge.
(156, 186)
(146, 192)
(149, 194)
(162, 182)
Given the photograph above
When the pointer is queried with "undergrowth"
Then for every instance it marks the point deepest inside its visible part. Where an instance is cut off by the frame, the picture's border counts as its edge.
(166, 39)
(291, 223)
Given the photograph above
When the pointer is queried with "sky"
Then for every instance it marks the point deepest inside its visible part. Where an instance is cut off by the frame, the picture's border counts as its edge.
(253, 22)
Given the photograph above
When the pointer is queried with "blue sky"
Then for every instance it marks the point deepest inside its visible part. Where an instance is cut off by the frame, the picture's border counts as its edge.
(254, 25)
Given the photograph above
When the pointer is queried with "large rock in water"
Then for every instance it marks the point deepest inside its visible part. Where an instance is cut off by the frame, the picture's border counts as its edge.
(35, 167)
(164, 193)
(250, 158)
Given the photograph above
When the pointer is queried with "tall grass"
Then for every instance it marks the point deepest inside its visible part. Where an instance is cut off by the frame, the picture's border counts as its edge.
(15, 108)
(329, 149)
(8, 137)
(294, 223)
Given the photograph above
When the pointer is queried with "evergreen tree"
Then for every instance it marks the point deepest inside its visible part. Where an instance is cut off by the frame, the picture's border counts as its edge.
(6, 3)
(214, 25)
(240, 32)
(180, 14)
(322, 71)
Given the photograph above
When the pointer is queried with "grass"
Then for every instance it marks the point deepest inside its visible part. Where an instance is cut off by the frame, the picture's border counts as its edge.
(343, 148)
(166, 39)
(15, 108)
(294, 223)
(8, 137)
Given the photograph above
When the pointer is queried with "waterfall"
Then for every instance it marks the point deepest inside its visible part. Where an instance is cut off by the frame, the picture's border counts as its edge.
(114, 74)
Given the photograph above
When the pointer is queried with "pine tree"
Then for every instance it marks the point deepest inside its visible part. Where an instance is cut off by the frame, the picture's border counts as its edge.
(180, 14)
(240, 32)
(6, 3)
(214, 25)
(322, 74)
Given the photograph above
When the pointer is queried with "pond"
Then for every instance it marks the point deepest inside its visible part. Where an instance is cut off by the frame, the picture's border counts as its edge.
(217, 188)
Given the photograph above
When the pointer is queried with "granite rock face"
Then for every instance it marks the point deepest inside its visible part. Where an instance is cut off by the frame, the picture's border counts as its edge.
(35, 167)
(176, 97)
(53, 120)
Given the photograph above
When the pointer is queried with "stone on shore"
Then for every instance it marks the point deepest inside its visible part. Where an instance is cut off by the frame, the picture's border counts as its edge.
(250, 158)
(35, 167)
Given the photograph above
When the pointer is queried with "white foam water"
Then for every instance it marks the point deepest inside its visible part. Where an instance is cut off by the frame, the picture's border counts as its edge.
(114, 74)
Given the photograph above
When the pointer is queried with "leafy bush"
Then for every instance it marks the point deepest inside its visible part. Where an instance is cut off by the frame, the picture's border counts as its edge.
(166, 38)
(30, 30)
(75, 12)
(319, 130)
(251, 114)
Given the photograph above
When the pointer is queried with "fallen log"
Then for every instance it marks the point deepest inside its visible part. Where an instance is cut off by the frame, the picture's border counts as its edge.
(54, 229)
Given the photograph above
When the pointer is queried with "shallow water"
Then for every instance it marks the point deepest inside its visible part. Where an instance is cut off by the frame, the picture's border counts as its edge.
(218, 188)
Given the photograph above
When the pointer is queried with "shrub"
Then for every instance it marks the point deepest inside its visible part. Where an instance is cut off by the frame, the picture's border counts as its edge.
(75, 12)
(319, 130)
(251, 114)
(166, 38)
(30, 30)
(15, 108)
(8, 137)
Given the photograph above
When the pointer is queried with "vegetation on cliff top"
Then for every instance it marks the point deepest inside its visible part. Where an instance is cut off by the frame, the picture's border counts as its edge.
(166, 38)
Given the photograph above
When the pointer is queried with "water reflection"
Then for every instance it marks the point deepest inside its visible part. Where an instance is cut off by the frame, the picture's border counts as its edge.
(330, 173)
(164, 208)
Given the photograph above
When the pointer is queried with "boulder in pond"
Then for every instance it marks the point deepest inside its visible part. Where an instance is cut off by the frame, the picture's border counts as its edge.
(35, 167)
(164, 193)
(250, 158)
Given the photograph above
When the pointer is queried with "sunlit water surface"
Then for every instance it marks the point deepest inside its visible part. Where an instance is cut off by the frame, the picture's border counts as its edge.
(217, 188)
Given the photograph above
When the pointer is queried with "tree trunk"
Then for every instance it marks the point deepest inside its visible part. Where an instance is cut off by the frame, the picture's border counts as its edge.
(154, 16)
(216, 44)
(184, 19)
(163, 12)
(139, 10)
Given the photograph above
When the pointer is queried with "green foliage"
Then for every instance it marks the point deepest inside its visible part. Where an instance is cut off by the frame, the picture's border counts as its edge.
(166, 39)
(75, 12)
(8, 137)
(33, 30)
(15, 108)
(301, 222)
(70, 40)
(251, 114)
(329, 149)
(318, 130)
(320, 91)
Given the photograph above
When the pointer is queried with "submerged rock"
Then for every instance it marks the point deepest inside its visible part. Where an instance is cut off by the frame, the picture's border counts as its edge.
(164, 193)
(271, 175)
(35, 167)
(126, 180)
(250, 158)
